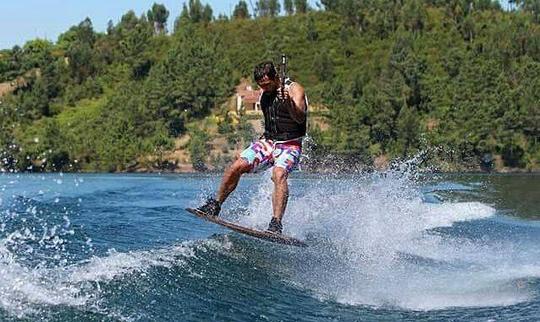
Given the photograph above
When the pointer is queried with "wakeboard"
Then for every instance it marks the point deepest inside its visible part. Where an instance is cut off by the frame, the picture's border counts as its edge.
(266, 235)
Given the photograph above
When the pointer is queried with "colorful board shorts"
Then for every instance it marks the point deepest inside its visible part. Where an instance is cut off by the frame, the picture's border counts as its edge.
(264, 153)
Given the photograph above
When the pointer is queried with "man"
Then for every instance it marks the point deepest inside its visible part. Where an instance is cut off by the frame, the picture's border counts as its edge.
(284, 108)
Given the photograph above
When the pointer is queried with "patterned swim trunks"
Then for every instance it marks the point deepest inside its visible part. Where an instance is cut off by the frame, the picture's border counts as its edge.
(264, 153)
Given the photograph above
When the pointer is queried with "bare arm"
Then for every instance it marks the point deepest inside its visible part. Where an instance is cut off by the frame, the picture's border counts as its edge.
(295, 96)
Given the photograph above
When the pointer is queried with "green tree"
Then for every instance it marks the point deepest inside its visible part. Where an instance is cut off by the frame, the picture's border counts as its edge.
(288, 5)
(194, 12)
(414, 15)
(134, 41)
(323, 66)
(532, 6)
(187, 83)
(36, 53)
(158, 17)
(407, 131)
(83, 33)
(267, 8)
(13, 63)
(78, 43)
(110, 27)
(80, 61)
(312, 33)
(460, 74)
(331, 5)
(468, 29)
(198, 149)
(241, 10)
(207, 14)
(128, 22)
(301, 6)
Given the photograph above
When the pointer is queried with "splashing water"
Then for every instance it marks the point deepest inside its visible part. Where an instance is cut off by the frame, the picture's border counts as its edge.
(116, 247)
(378, 242)
(27, 290)
(47, 262)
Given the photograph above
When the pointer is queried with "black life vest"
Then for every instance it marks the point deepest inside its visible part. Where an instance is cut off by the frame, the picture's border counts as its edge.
(278, 123)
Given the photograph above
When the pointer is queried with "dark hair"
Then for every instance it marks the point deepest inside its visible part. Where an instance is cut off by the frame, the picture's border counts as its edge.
(266, 68)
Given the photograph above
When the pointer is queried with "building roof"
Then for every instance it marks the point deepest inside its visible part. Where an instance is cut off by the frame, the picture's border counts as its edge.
(251, 98)
(247, 93)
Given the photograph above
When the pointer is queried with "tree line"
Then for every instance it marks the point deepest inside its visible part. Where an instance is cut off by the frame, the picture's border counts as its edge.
(390, 78)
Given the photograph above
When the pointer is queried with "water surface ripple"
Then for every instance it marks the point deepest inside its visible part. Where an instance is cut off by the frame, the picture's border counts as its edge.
(384, 246)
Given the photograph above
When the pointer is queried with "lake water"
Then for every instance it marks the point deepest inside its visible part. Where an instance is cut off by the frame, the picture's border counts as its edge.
(385, 246)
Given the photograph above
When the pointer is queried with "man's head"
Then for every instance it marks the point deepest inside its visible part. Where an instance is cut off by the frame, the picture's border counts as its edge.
(266, 76)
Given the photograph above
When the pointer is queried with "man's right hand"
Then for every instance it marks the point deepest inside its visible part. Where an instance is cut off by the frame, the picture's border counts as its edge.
(283, 94)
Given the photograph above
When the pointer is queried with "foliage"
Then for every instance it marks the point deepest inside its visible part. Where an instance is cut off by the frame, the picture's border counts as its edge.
(267, 8)
(158, 17)
(395, 78)
(198, 149)
(241, 10)
(193, 12)
(301, 6)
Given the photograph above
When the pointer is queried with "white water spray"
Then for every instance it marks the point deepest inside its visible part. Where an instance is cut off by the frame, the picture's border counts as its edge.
(377, 242)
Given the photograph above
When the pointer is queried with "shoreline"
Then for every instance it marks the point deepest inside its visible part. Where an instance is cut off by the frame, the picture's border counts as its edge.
(506, 171)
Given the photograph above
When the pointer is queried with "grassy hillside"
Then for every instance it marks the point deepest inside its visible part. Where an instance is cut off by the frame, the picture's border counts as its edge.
(457, 80)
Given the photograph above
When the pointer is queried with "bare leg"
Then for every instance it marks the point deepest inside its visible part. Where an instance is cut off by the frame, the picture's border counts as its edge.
(231, 177)
(281, 192)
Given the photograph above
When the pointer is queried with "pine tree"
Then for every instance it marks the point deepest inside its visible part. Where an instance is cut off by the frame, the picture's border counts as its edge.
(158, 17)
(241, 10)
(289, 7)
(301, 6)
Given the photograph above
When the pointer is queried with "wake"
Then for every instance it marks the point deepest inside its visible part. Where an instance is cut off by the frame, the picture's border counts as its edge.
(378, 242)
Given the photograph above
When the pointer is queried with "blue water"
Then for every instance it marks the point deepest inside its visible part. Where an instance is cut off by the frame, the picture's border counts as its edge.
(392, 246)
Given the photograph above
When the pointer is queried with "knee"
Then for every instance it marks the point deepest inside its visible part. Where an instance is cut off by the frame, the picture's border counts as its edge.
(239, 166)
(279, 175)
